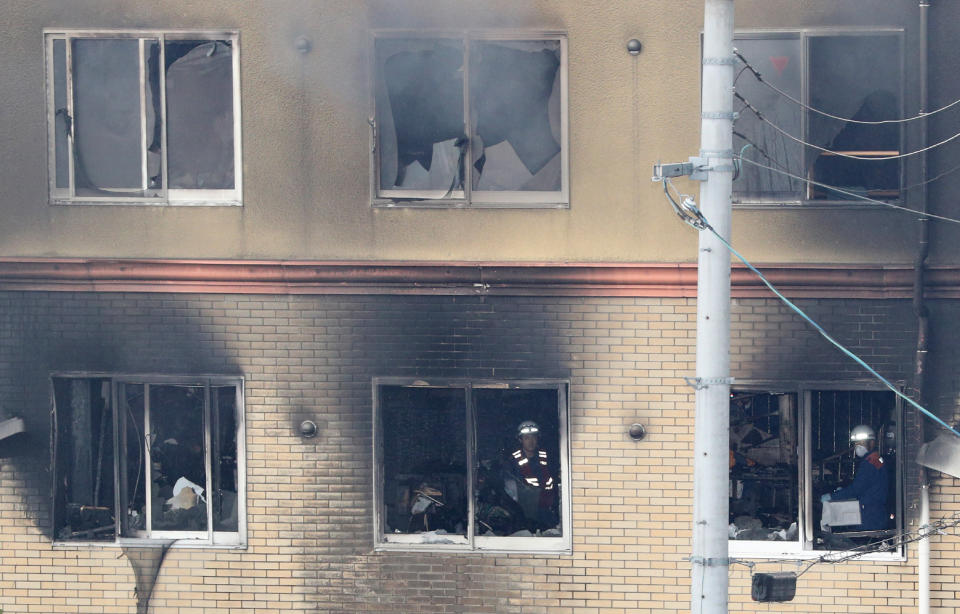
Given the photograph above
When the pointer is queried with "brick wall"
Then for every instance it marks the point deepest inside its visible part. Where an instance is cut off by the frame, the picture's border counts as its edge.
(309, 509)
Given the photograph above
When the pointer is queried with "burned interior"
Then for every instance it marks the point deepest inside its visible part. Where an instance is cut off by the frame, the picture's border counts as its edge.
(853, 77)
(454, 468)
(788, 449)
(139, 460)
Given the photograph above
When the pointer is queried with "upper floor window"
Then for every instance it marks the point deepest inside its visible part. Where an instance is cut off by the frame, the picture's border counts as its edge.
(852, 76)
(148, 458)
(470, 120)
(472, 465)
(143, 117)
(793, 453)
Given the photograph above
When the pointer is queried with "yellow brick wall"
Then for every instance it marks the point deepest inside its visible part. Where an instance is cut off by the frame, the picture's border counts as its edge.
(309, 511)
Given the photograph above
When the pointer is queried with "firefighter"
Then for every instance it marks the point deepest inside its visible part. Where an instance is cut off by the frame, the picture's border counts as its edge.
(870, 486)
(536, 490)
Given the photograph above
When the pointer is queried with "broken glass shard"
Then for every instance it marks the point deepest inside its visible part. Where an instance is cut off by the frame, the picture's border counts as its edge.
(420, 114)
(515, 109)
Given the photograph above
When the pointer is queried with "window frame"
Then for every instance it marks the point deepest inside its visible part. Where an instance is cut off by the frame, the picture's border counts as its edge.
(169, 197)
(471, 199)
(193, 539)
(804, 35)
(473, 543)
(802, 547)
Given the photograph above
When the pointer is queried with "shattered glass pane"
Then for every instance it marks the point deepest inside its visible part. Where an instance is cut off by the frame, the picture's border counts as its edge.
(424, 461)
(764, 467)
(779, 60)
(61, 117)
(838, 65)
(515, 109)
(224, 401)
(199, 90)
(178, 472)
(84, 497)
(420, 126)
(518, 477)
(154, 116)
(107, 120)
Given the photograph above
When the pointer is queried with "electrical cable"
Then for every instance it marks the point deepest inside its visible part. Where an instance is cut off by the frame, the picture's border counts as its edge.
(854, 195)
(807, 107)
(763, 118)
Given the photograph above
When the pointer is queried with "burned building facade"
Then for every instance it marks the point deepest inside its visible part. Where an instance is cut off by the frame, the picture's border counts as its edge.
(351, 307)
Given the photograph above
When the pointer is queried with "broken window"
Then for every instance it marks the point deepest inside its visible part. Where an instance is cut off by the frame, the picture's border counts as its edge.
(455, 471)
(856, 76)
(143, 117)
(470, 120)
(176, 472)
(790, 448)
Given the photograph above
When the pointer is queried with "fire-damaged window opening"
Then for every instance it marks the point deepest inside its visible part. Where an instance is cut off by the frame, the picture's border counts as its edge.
(143, 117)
(470, 119)
(857, 75)
(148, 458)
(799, 484)
(472, 465)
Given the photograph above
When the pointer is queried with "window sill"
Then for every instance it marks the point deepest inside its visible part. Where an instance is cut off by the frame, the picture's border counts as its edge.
(143, 543)
(767, 551)
(459, 204)
(814, 204)
(57, 202)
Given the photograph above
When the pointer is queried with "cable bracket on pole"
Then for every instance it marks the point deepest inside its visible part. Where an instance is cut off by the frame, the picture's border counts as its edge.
(699, 383)
(727, 61)
(732, 115)
(710, 562)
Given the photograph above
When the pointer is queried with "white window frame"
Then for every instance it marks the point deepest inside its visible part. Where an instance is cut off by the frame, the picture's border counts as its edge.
(472, 542)
(208, 538)
(168, 197)
(469, 198)
(759, 201)
(802, 547)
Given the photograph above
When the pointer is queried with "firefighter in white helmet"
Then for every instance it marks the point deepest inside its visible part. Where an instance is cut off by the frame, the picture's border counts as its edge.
(536, 490)
(870, 485)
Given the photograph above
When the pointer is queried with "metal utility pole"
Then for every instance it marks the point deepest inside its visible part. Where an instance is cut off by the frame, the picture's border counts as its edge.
(709, 560)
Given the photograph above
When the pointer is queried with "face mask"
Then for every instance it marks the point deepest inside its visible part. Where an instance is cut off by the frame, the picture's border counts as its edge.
(860, 451)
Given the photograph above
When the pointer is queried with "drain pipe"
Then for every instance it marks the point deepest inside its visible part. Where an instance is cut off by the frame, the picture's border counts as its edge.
(923, 320)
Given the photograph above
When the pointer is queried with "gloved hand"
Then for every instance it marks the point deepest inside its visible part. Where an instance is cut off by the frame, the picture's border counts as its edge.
(825, 498)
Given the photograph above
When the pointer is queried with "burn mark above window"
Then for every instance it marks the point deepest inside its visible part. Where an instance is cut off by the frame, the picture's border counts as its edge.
(505, 145)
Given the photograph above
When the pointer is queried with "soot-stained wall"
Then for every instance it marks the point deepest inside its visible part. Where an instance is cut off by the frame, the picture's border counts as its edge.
(309, 510)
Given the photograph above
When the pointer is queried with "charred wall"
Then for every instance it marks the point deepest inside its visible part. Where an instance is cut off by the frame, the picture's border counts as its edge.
(310, 543)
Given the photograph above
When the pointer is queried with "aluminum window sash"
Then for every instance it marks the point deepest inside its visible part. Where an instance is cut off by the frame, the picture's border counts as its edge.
(147, 463)
(164, 179)
(378, 479)
(471, 435)
(240, 412)
(144, 180)
(207, 453)
(71, 154)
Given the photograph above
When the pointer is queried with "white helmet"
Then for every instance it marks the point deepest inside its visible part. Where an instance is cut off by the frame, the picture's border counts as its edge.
(862, 433)
(528, 427)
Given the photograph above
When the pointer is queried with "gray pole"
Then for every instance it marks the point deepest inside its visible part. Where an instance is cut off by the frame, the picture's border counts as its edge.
(709, 561)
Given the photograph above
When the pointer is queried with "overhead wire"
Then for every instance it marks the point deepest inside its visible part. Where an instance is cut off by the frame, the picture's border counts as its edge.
(832, 152)
(807, 107)
(701, 223)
